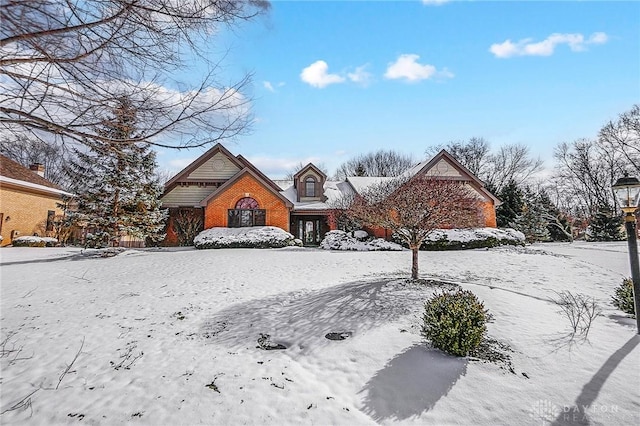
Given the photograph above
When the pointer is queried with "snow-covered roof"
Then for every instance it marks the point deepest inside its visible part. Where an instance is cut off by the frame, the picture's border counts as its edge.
(42, 188)
(333, 191)
(361, 183)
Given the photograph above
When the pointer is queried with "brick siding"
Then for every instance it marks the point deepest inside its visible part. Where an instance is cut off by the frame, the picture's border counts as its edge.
(216, 212)
(27, 212)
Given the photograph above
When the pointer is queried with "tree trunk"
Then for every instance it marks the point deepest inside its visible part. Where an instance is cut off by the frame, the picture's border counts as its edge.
(414, 262)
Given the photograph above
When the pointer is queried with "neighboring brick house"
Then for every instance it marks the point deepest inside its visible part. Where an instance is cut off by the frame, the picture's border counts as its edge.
(28, 201)
(223, 190)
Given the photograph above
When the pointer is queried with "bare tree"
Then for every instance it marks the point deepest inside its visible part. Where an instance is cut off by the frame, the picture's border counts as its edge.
(379, 163)
(510, 163)
(28, 150)
(64, 64)
(585, 171)
(413, 208)
(623, 137)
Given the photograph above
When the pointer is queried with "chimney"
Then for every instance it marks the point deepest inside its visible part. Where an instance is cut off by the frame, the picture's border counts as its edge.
(38, 168)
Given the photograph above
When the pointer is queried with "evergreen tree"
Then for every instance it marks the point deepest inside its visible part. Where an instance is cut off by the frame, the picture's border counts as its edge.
(531, 221)
(605, 225)
(559, 226)
(512, 204)
(116, 187)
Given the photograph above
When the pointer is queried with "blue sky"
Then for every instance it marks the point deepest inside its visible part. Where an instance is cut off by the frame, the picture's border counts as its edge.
(336, 79)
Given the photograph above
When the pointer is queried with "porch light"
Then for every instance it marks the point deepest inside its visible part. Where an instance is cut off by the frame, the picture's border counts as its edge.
(627, 192)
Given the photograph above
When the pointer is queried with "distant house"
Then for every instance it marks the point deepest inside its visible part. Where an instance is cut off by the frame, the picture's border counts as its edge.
(224, 190)
(28, 201)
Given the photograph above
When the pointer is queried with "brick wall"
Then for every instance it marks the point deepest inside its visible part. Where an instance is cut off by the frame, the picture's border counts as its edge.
(25, 211)
(489, 213)
(216, 212)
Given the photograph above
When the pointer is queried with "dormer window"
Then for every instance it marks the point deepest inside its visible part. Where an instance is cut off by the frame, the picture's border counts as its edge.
(309, 187)
(309, 183)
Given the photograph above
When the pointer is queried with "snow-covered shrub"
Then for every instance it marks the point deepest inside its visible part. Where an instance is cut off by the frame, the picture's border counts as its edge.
(360, 235)
(460, 239)
(33, 241)
(247, 237)
(623, 297)
(455, 322)
(340, 240)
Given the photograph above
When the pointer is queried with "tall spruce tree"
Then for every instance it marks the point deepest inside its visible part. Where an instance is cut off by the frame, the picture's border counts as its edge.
(117, 190)
(511, 207)
(559, 225)
(605, 225)
(531, 220)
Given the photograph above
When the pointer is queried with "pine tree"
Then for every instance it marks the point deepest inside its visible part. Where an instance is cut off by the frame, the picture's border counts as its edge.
(559, 225)
(531, 221)
(511, 207)
(116, 187)
(605, 225)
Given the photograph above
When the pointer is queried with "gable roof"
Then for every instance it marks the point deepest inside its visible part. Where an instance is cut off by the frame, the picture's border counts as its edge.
(184, 173)
(237, 177)
(425, 166)
(15, 170)
(312, 167)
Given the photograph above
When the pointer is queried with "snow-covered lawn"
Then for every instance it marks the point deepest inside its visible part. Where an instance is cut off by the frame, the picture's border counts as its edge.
(168, 337)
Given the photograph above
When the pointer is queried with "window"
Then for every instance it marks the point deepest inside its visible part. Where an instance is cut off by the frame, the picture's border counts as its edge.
(309, 187)
(247, 203)
(50, 217)
(246, 213)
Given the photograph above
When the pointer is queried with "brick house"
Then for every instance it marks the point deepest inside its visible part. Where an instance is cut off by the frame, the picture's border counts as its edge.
(220, 189)
(28, 201)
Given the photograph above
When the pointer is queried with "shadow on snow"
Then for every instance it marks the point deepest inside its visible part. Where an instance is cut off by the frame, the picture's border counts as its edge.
(301, 319)
(411, 383)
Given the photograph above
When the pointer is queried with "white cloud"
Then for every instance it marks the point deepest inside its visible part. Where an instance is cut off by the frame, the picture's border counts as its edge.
(177, 164)
(361, 75)
(546, 47)
(267, 85)
(317, 75)
(407, 67)
(279, 167)
(598, 38)
(435, 2)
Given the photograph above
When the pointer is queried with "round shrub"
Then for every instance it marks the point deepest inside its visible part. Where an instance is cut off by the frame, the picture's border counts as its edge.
(455, 322)
(623, 297)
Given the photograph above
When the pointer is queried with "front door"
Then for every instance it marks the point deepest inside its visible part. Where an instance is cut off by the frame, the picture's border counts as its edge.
(310, 229)
(310, 234)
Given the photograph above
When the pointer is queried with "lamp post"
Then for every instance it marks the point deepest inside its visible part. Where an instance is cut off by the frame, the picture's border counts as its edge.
(627, 192)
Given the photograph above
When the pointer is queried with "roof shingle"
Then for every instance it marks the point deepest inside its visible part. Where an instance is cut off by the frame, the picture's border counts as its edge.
(14, 170)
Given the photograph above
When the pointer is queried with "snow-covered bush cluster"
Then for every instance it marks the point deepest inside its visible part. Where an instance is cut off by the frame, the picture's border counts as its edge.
(33, 241)
(459, 239)
(247, 237)
(356, 241)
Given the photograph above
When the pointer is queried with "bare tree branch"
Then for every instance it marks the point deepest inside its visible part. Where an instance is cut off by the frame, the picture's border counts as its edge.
(413, 208)
(65, 63)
